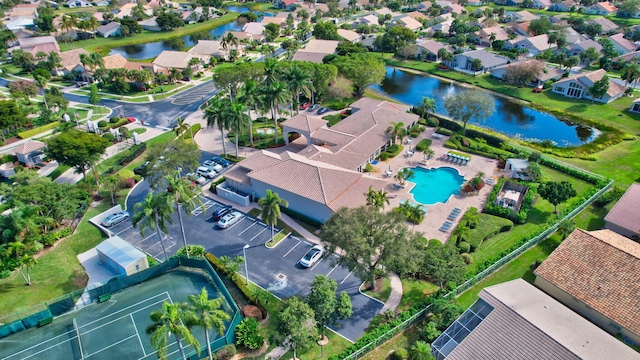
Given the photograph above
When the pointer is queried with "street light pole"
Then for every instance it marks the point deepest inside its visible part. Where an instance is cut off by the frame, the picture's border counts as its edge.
(246, 270)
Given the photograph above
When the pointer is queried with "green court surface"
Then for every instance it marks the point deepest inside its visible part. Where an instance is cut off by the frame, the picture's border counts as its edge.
(114, 329)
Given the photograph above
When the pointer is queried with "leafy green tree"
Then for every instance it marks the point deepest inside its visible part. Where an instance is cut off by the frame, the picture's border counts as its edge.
(272, 31)
(599, 88)
(154, 212)
(11, 118)
(326, 30)
(23, 89)
(468, 105)
(248, 334)
(78, 149)
(566, 227)
(171, 320)
(396, 38)
(165, 159)
(195, 251)
(444, 264)
(298, 80)
(363, 69)
(110, 184)
(17, 253)
(270, 209)
(371, 242)
(327, 307)
(44, 21)
(557, 192)
(186, 196)
(208, 315)
(94, 96)
(540, 26)
(296, 322)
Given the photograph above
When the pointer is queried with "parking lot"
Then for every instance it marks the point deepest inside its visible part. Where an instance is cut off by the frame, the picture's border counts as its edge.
(276, 269)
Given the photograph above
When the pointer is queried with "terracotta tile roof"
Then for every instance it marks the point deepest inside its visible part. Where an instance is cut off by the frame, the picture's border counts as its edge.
(321, 46)
(526, 323)
(625, 212)
(114, 61)
(417, 15)
(309, 56)
(238, 174)
(607, 25)
(305, 123)
(29, 147)
(349, 35)
(272, 19)
(173, 59)
(71, 58)
(598, 268)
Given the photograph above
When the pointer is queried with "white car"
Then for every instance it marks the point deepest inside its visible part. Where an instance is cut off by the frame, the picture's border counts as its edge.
(312, 256)
(230, 219)
(206, 172)
(213, 165)
(196, 178)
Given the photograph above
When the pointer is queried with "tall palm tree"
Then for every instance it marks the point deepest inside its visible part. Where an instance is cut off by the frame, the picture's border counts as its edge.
(17, 251)
(630, 71)
(420, 350)
(471, 219)
(249, 94)
(270, 209)
(209, 315)
(428, 105)
(461, 233)
(271, 71)
(228, 40)
(403, 175)
(92, 23)
(237, 119)
(395, 129)
(96, 60)
(171, 320)
(184, 194)
(154, 213)
(376, 199)
(54, 60)
(182, 127)
(299, 81)
(174, 74)
(86, 61)
(274, 95)
(214, 116)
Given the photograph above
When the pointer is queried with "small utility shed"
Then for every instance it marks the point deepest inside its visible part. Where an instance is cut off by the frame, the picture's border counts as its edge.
(122, 257)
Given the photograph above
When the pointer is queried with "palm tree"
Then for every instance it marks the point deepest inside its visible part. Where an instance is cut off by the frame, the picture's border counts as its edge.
(461, 233)
(630, 71)
(40, 55)
(171, 320)
(420, 351)
(186, 195)
(228, 40)
(214, 116)
(54, 60)
(249, 94)
(237, 119)
(565, 228)
(395, 129)
(274, 95)
(471, 219)
(428, 105)
(181, 128)
(208, 314)
(403, 175)
(92, 23)
(16, 250)
(96, 60)
(376, 199)
(270, 209)
(174, 74)
(154, 213)
(86, 61)
(271, 71)
(299, 81)
(415, 213)
(428, 153)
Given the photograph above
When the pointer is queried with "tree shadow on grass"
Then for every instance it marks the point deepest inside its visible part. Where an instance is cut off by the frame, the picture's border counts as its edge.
(577, 108)
(7, 287)
(536, 216)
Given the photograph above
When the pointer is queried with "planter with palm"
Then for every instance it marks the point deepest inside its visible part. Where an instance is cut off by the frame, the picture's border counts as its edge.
(172, 319)
(208, 315)
(395, 129)
(270, 209)
(154, 212)
(403, 175)
(377, 199)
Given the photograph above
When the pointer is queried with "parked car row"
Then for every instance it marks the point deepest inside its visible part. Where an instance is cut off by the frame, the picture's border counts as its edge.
(315, 107)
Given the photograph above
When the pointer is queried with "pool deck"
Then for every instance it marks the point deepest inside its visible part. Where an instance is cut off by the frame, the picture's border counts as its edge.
(436, 214)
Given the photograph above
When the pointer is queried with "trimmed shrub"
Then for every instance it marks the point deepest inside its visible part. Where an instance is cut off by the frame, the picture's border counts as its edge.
(468, 259)
(444, 131)
(114, 120)
(433, 121)
(109, 136)
(464, 247)
(125, 174)
(423, 145)
(400, 354)
(435, 242)
(451, 145)
(383, 156)
(226, 352)
(213, 185)
(369, 168)
(614, 194)
(451, 125)
(248, 335)
(423, 122)
(102, 123)
(394, 150)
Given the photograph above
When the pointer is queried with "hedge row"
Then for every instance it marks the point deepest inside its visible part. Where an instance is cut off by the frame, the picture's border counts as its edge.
(212, 186)
(571, 171)
(423, 145)
(134, 152)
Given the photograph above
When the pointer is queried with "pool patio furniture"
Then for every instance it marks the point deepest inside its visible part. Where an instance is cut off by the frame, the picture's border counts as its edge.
(446, 226)
(388, 173)
(398, 186)
(436, 136)
(453, 215)
(408, 141)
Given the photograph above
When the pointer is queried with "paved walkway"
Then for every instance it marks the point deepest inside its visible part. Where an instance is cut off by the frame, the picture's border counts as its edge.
(396, 294)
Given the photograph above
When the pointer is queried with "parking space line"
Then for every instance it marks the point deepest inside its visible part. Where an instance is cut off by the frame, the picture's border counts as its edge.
(123, 230)
(329, 273)
(197, 211)
(314, 266)
(258, 234)
(239, 221)
(294, 246)
(345, 278)
(144, 239)
(248, 227)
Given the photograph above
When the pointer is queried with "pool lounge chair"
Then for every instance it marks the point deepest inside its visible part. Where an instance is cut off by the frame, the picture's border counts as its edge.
(453, 215)
(445, 228)
(456, 209)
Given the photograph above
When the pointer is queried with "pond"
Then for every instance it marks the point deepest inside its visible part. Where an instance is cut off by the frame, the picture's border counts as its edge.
(152, 49)
(510, 118)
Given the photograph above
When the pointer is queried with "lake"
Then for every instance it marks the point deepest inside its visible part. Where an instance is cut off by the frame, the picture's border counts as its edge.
(152, 49)
(510, 118)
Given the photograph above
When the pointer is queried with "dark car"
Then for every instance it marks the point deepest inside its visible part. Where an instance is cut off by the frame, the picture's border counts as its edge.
(323, 110)
(221, 161)
(221, 212)
(141, 170)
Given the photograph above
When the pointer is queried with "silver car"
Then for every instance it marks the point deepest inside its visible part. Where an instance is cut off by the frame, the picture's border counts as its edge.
(114, 219)
(206, 172)
(213, 165)
(230, 219)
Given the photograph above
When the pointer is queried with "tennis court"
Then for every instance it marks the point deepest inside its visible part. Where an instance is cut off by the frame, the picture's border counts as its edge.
(114, 329)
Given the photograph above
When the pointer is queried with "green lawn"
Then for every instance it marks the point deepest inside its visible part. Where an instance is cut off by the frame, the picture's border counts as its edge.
(58, 271)
(415, 291)
(487, 225)
(403, 340)
(58, 171)
(382, 294)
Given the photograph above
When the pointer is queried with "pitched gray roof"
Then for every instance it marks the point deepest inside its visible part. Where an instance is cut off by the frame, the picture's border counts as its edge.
(625, 212)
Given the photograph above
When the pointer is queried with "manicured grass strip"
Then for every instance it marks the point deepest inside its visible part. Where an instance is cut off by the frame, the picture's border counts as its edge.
(488, 225)
(139, 130)
(38, 130)
(382, 294)
(58, 171)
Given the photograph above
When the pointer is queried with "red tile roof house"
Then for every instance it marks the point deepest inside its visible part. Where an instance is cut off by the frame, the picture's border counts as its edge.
(595, 273)
(577, 86)
(327, 161)
(515, 320)
(624, 217)
(30, 153)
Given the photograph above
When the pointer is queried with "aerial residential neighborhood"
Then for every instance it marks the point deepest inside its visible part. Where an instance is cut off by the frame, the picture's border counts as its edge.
(447, 179)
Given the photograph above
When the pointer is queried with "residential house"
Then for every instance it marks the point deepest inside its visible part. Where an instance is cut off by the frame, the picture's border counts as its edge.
(21, 17)
(78, 3)
(385, 11)
(583, 46)
(109, 30)
(515, 2)
(150, 24)
(424, 6)
(328, 161)
(534, 44)
(282, 22)
(577, 86)
(99, 16)
(366, 20)
(189, 16)
(484, 35)
(515, 320)
(349, 35)
(20, 24)
(548, 73)
(624, 217)
(70, 62)
(442, 27)
(622, 45)
(541, 4)
(254, 28)
(608, 26)
(488, 61)
(635, 107)
(102, 3)
(209, 48)
(418, 15)
(601, 8)
(176, 59)
(20, 34)
(520, 16)
(476, 2)
(30, 153)
(406, 21)
(34, 45)
(522, 29)
(118, 61)
(125, 10)
(632, 56)
(454, 8)
(594, 274)
(247, 37)
(316, 50)
(428, 50)
(564, 6)
(288, 5)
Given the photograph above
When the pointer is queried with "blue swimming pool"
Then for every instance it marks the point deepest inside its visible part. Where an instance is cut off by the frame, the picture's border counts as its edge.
(435, 185)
